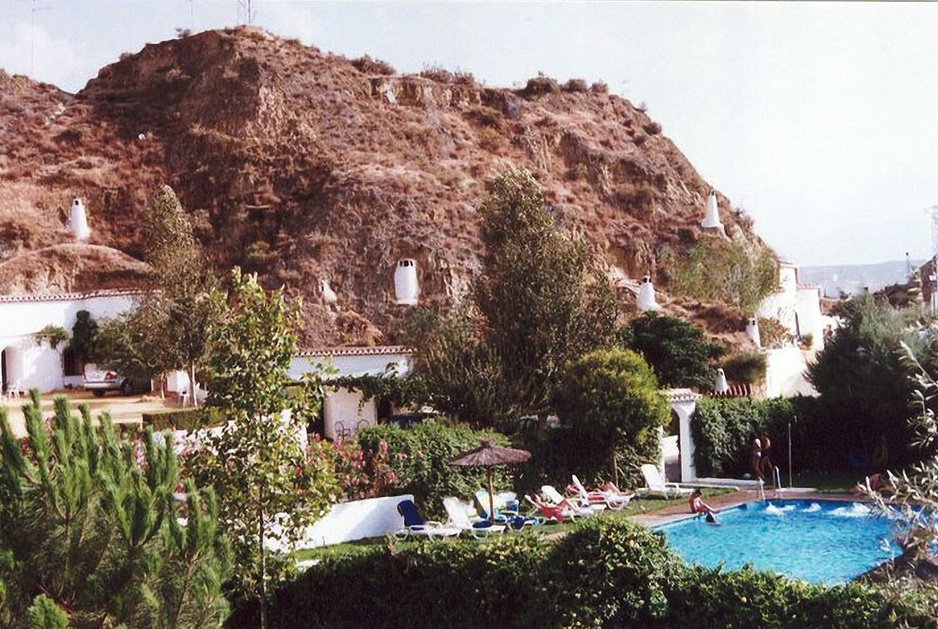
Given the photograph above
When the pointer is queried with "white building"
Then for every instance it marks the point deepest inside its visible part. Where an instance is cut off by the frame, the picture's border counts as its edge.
(797, 307)
(345, 411)
(26, 364)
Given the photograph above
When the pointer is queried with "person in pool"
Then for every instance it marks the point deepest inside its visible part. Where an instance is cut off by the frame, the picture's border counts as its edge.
(697, 505)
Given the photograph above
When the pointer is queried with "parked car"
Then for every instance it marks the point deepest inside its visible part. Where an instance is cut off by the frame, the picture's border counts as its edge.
(100, 382)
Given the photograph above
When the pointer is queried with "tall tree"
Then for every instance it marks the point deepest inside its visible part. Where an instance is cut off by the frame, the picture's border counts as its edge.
(178, 309)
(612, 397)
(270, 486)
(84, 337)
(89, 529)
(862, 378)
(543, 302)
(677, 350)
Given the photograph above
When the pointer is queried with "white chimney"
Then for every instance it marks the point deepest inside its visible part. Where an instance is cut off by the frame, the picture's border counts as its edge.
(78, 222)
(719, 384)
(328, 295)
(646, 295)
(752, 331)
(712, 217)
(406, 288)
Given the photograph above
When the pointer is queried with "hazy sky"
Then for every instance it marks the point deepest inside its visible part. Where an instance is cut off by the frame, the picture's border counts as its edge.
(819, 119)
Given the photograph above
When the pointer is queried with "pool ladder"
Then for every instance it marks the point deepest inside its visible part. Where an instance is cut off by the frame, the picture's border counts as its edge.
(777, 477)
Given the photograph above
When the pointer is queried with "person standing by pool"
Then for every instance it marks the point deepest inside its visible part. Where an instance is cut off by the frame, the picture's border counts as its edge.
(766, 461)
(756, 462)
(697, 505)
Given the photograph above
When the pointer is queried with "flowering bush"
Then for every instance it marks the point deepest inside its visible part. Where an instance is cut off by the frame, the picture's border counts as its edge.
(361, 473)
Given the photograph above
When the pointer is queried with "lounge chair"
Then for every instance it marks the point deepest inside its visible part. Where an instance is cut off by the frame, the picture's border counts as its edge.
(416, 526)
(555, 498)
(657, 485)
(506, 509)
(609, 495)
(459, 518)
(551, 512)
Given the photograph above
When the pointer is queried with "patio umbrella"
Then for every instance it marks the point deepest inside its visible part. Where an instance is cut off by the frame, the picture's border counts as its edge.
(488, 455)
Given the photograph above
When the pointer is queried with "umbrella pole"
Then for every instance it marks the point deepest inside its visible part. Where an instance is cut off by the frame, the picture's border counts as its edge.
(491, 497)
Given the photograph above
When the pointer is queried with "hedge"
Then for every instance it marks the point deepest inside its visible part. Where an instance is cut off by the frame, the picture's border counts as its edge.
(419, 455)
(184, 419)
(605, 573)
(821, 441)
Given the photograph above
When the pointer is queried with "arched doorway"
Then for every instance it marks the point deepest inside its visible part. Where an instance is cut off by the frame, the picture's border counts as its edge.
(671, 449)
(681, 466)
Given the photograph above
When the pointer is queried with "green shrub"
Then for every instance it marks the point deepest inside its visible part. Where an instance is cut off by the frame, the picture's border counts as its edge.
(418, 457)
(612, 574)
(722, 427)
(748, 367)
(714, 268)
(604, 573)
(184, 419)
(748, 598)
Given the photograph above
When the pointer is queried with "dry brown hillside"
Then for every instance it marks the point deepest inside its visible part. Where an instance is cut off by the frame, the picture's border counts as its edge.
(305, 166)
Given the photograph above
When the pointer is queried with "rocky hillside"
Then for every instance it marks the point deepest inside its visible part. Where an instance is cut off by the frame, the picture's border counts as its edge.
(306, 166)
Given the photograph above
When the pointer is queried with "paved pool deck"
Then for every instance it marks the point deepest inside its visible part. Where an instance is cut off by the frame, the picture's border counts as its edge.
(677, 509)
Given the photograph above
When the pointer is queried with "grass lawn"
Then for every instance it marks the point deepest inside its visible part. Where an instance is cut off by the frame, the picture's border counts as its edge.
(635, 507)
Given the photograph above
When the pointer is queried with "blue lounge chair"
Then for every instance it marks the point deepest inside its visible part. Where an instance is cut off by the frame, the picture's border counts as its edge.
(415, 525)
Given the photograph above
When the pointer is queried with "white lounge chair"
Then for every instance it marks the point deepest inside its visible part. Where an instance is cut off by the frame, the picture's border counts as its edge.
(458, 512)
(555, 498)
(614, 500)
(658, 486)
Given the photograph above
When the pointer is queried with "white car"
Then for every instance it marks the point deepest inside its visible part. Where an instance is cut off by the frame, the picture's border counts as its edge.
(100, 382)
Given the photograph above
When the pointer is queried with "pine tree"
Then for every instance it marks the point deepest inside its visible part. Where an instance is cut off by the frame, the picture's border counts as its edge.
(89, 529)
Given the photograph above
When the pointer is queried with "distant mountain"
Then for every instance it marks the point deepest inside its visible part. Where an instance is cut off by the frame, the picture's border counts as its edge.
(853, 278)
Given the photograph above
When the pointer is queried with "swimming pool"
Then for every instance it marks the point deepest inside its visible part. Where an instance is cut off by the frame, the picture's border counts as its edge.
(824, 542)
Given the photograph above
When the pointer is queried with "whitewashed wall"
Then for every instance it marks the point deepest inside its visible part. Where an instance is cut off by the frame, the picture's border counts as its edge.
(809, 315)
(344, 412)
(349, 521)
(341, 365)
(784, 372)
(31, 365)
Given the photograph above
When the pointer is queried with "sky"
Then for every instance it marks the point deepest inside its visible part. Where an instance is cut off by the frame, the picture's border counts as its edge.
(819, 119)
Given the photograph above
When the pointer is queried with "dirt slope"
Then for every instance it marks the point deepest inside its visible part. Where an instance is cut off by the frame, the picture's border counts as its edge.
(306, 166)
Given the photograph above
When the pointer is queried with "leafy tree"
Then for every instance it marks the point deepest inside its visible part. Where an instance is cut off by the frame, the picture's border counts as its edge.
(863, 380)
(910, 497)
(537, 304)
(176, 315)
(89, 530)
(612, 396)
(84, 337)
(677, 350)
(461, 375)
(269, 487)
(542, 302)
(130, 344)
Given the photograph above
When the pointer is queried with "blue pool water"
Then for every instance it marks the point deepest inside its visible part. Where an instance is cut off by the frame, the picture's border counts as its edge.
(824, 542)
